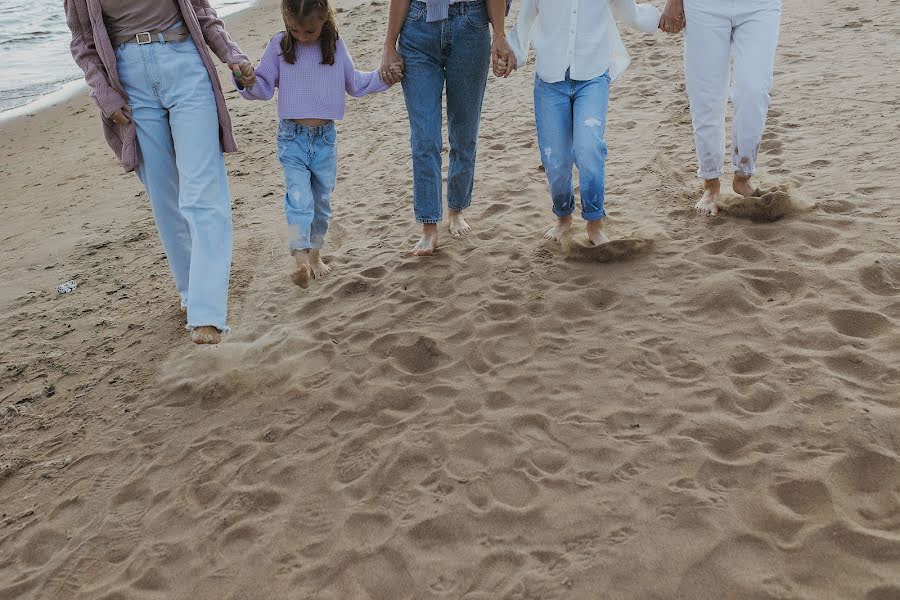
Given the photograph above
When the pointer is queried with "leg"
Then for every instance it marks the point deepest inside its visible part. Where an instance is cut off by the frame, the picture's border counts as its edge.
(589, 127)
(707, 42)
(553, 116)
(324, 178)
(204, 198)
(157, 169)
(299, 205)
(423, 85)
(755, 42)
(467, 71)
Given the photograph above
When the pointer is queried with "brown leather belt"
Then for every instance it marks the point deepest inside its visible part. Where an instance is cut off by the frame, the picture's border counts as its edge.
(169, 35)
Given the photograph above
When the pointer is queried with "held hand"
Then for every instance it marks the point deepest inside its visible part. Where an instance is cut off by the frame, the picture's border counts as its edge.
(244, 73)
(672, 20)
(391, 70)
(501, 53)
(122, 117)
(503, 68)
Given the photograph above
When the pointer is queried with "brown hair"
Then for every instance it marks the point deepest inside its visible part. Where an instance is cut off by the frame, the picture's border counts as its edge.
(299, 9)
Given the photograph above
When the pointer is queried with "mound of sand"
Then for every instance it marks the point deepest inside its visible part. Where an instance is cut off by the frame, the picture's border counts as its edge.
(765, 206)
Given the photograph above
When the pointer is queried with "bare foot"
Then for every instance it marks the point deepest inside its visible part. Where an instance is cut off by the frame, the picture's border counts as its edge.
(557, 232)
(428, 242)
(206, 335)
(595, 232)
(458, 225)
(741, 185)
(319, 268)
(708, 203)
(301, 276)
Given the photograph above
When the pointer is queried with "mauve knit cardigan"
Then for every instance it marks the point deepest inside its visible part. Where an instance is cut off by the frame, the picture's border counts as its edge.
(94, 53)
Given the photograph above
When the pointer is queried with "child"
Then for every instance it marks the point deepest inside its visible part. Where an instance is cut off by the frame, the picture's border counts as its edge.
(313, 71)
(579, 52)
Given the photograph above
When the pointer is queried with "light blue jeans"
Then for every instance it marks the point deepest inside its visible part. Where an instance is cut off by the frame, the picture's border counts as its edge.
(456, 51)
(571, 122)
(182, 167)
(309, 158)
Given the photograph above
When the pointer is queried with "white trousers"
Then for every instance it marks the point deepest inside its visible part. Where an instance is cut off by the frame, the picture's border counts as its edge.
(717, 30)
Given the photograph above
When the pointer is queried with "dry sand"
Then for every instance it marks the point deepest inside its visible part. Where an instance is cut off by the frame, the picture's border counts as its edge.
(718, 417)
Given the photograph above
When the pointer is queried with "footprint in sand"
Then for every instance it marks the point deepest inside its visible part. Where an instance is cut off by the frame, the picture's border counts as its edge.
(764, 206)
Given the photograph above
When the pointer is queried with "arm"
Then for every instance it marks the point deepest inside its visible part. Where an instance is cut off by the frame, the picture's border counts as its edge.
(501, 54)
(84, 51)
(358, 83)
(215, 35)
(391, 62)
(643, 17)
(267, 73)
(520, 36)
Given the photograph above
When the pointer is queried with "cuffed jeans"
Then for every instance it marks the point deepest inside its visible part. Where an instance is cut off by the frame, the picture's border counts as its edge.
(182, 167)
(456, 51)
(309, 158)
(747, 29)
(571, 123)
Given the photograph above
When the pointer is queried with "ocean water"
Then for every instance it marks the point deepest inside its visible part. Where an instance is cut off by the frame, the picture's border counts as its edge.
(34, 49)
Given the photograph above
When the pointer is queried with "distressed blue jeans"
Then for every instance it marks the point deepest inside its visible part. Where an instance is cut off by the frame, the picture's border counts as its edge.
(309, 158)
(571, 122)
(182, 167)
(456, 51)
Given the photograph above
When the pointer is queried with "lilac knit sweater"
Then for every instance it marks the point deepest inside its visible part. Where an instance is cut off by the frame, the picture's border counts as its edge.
(308, 89)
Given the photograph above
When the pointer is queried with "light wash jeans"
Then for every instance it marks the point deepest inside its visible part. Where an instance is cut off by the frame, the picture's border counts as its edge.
(717, 30)
(182, 167)
(456, 51)
(571, 123)
(309, 158)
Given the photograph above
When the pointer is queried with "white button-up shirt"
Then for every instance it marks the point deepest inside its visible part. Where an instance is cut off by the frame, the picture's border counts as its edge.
(578, 36)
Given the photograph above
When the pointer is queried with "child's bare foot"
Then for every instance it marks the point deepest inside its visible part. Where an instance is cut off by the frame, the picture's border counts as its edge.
(741, 185)
(557, 232)
(595, 232)
(458, 225)
(428, 242)
(319, 269)
(301, 276)
(206, 335)
(708, 203)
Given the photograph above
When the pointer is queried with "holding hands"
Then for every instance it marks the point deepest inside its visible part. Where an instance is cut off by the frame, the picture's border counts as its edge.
(503, 60)
(244, 73)
(391, 70)
(672, 20)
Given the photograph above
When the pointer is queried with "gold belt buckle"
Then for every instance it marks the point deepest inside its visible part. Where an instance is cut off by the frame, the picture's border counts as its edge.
(140, 39)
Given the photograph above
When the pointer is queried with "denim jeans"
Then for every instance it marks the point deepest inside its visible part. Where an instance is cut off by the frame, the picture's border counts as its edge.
(309, 158)
(571, 122)
(456, 51)
(182, 167)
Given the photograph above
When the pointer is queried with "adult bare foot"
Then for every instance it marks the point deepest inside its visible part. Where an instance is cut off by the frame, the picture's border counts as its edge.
(301, 276)
(708, 203)
(557, 232)
(206, 335)
(595, 232)
(458, 225)
(319, 269)
(428, 242)
(741, 185)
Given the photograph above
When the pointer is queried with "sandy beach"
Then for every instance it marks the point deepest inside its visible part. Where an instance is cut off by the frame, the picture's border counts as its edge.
(714, 417)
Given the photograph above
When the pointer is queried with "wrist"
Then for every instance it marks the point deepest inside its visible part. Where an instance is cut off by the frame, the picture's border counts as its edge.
(390, 44)
(499, 34)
